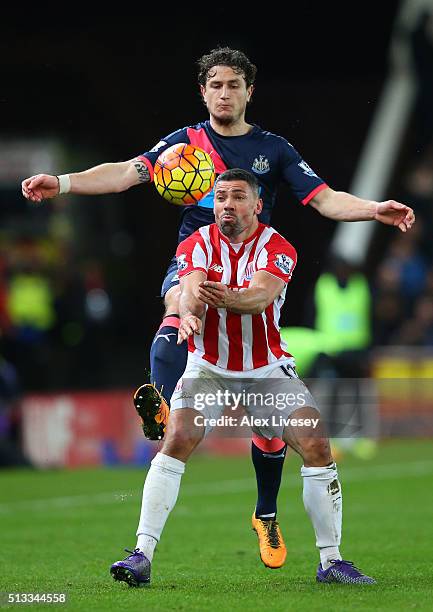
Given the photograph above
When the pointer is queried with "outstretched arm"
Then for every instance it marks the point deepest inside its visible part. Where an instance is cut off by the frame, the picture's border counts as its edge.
(105, 178)
(342, 206)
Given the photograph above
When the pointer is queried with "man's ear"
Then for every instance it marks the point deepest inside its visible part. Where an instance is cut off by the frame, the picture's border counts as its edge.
(202, 91)
(259, 206)
(250, 91)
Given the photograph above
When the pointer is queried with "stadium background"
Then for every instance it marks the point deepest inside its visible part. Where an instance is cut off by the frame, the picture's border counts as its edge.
(83, 91)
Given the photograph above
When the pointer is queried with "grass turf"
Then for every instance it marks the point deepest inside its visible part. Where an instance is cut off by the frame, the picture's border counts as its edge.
(61, 530)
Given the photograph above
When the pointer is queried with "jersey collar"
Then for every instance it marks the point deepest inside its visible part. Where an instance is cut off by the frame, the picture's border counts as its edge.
(218, 135)
(253, 236)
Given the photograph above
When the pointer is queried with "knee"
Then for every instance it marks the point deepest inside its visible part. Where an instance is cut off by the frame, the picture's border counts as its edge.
(315, 452)
(180, 444)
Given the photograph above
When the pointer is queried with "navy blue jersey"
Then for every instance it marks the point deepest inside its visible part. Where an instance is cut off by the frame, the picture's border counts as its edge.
(269, 157)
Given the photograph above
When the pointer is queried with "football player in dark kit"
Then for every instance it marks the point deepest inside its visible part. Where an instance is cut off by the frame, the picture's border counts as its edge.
(226, 79)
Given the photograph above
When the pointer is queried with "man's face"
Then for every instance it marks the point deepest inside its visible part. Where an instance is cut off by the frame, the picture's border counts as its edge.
(235, 207)
(226, 94)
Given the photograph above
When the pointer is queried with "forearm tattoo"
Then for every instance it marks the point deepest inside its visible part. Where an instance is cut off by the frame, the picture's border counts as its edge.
(143, 171)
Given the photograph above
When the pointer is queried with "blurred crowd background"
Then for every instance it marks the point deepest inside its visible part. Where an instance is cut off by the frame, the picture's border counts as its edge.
(80, 276)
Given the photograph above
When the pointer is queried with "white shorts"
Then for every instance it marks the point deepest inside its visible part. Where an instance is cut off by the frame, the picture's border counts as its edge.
(268, 395)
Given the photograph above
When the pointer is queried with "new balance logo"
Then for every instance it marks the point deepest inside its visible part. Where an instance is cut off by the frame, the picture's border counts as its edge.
(217, 268)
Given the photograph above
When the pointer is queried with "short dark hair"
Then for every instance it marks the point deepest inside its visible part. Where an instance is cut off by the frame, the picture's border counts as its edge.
(224, 56)
(237, 174)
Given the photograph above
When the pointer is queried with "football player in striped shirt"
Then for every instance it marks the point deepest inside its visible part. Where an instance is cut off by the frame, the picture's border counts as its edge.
(234, 275)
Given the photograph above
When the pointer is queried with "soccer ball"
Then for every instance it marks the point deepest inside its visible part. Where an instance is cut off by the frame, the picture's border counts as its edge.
(183, 174)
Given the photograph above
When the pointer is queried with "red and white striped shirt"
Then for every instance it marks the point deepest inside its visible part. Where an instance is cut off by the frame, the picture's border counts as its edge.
(228, 340)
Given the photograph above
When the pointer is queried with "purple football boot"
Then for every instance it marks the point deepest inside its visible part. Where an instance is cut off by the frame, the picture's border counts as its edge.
(134, 569)
(344, 572)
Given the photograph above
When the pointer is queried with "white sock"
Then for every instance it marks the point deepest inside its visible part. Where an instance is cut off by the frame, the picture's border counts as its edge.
(160, 493)
(328, 554)
(323, 503)
(147, 545)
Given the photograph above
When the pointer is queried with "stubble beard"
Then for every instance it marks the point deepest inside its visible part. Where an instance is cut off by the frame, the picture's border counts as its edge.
(226, 120)
(231, 230)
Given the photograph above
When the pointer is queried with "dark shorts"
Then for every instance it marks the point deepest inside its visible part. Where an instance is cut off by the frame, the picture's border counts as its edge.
(171, 277)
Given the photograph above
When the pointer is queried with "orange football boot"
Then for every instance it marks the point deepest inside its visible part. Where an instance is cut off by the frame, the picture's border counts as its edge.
(271, 544)
(153, 411)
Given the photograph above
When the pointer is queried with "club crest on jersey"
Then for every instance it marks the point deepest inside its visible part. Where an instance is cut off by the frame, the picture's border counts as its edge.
(306, 168)
(261, 165)
(284, 263)
(181, 263)
(249, 271)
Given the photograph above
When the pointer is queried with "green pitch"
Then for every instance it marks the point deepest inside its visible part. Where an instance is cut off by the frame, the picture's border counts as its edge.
(60, 531)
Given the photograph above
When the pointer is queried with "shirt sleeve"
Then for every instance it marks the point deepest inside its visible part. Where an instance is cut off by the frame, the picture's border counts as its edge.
(278, 257)
(191, 255)
(300, 177)
(150, 157)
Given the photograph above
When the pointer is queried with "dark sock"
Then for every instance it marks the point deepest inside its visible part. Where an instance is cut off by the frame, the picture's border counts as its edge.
(167, 358)
(269, 467)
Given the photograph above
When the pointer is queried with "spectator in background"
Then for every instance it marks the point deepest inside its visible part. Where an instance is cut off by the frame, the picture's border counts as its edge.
(341, 366)
(30, 306)
(418, 330)
(407, 267)
(339, 315)
(342, 300)
(84, 312)
(342, 304)
(388, 309)
(403, 292)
